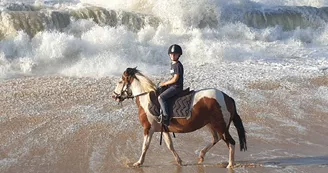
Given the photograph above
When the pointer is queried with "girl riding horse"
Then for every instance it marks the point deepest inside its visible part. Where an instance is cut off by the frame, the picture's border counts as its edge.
(210, 107)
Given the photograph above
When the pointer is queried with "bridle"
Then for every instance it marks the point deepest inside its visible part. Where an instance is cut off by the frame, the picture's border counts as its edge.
(126, 93)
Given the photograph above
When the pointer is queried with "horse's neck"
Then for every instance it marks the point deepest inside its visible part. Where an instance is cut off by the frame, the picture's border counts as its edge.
(137, 89)
(143, 98)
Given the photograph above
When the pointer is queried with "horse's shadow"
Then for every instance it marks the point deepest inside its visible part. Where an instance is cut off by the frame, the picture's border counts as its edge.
(293, 161)
(281, 162)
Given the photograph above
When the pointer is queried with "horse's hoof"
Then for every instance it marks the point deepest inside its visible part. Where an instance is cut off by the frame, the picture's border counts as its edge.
(179, 162)
(137, 164)
(230, 166)
(201, 160)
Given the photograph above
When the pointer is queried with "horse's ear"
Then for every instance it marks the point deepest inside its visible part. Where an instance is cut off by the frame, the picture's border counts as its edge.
(131, 71)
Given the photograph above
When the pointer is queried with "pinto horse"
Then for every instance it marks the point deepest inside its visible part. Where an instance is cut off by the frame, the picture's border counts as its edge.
(210, 107)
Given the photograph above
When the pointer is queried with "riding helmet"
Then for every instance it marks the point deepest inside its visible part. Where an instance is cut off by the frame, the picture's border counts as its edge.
(175, 49)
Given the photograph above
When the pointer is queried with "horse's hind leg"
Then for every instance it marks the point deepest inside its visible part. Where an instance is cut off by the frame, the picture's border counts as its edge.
(169, 143)
(210, 145)
(231, 144)
(225, 135)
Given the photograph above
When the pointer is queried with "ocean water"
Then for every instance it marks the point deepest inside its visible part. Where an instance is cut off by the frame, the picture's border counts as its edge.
(60, 61)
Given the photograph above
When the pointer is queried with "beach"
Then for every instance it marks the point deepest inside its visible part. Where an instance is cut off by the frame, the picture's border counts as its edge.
(60, 63)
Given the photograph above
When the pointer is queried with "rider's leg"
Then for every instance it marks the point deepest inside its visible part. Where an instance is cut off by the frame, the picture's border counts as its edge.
(163, 101)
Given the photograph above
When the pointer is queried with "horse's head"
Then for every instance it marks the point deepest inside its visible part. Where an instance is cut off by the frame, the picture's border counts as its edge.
(123, 90)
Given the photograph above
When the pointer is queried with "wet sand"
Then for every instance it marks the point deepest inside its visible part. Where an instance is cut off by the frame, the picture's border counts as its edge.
(62, 124)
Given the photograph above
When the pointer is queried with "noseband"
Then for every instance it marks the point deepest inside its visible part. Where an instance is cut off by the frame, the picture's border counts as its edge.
(126, 92)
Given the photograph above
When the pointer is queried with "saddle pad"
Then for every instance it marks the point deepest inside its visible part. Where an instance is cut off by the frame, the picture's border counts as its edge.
(179, 107)
(153, 105)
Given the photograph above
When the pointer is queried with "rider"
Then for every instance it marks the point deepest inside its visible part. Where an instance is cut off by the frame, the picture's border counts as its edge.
(175, 84)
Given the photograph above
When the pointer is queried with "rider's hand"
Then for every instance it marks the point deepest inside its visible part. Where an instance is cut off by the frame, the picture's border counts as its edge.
(162, 84)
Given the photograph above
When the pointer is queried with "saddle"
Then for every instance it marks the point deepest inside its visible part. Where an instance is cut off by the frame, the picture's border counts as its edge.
(178, 106)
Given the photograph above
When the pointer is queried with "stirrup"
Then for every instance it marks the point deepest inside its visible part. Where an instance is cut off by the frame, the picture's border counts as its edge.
(160, 118)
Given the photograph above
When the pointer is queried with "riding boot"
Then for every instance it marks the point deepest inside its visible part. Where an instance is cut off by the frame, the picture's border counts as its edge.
(165, 120)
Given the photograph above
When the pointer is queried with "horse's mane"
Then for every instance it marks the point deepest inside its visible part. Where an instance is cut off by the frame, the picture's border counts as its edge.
(144, 81)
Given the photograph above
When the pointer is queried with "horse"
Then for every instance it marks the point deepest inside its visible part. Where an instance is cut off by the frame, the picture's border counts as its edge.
(210, 108)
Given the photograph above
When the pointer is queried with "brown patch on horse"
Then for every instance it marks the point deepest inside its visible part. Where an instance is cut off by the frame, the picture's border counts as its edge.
(205, 111)
(217, 120)
(143, 117)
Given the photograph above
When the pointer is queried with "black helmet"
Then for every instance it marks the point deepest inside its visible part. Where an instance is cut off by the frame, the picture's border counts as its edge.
(175, 49)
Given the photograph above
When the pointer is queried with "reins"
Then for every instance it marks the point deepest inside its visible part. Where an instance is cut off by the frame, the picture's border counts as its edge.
(140, 94)
(128, 96)
(132, 97)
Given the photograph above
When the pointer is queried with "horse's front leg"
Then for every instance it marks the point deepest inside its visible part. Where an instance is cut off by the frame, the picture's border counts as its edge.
(169, 143)
(145, 146)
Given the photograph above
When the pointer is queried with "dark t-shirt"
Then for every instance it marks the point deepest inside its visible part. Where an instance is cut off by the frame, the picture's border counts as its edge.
(177, 68)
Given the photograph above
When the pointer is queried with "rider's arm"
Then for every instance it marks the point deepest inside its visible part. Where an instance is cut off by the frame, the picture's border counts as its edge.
(171, 81)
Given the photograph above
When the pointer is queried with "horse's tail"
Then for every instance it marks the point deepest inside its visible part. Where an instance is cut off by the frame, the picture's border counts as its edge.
(240, 129)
